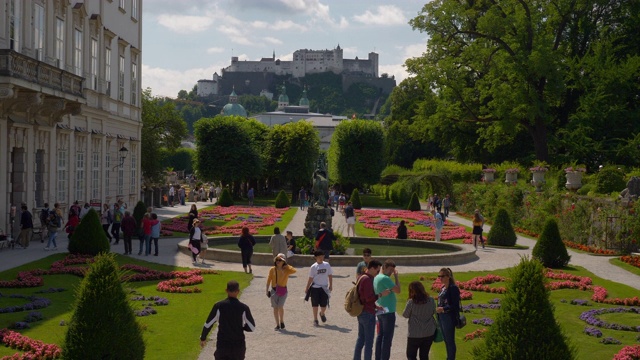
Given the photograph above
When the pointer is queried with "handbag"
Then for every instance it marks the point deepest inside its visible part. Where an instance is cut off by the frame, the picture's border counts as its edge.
(280, 290)
(438, 336)
(462, 322)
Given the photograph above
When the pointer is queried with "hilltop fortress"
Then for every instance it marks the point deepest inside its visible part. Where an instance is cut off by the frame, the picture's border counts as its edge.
(257, 77)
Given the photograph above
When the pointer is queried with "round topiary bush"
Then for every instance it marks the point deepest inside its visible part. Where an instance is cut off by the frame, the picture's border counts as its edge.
(89, 237)
(525, 327)
(502, 233)
(610, 179)
(225, 199)
(414, 203)
(550, 250)
(103, 325)
(355, 199)
(282, 200)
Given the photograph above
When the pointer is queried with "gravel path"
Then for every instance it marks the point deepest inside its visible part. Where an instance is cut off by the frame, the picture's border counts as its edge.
(339, 334)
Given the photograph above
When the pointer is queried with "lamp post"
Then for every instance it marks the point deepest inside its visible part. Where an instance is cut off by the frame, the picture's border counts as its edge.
(123, 152)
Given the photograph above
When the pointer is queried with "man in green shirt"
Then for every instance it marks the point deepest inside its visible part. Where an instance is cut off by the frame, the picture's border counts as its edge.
(387, 300)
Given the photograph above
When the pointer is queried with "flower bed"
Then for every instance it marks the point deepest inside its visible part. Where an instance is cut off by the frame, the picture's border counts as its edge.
(385, 222)
(35, 349)
(476, 334)
(628, 353)
(631, 260)
(590, 317)
(589, 249)
(255, 218)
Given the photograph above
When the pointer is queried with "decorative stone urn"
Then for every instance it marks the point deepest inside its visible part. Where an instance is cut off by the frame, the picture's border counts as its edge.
(511, 177)
(488, 177)
(538, 180)
(574, 180)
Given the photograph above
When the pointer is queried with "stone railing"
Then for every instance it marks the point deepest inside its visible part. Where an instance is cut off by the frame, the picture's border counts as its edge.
(17, 65)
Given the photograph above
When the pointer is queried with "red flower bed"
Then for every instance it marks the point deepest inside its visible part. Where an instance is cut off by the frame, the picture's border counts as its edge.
(630, 352)
(385, 222)
(35, 349)
(600, 295)
(589, 249)
(631, 260)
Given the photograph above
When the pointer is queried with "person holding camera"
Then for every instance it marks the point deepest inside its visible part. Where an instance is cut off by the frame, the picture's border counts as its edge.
(277, 287)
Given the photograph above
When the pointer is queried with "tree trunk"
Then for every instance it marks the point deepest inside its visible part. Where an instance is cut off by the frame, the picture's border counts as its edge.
(540, 142)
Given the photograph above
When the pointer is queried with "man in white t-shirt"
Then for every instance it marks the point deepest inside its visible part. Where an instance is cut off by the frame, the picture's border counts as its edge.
(319, 286)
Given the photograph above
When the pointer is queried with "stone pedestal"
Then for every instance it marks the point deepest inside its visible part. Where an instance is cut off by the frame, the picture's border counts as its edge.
(316, 215)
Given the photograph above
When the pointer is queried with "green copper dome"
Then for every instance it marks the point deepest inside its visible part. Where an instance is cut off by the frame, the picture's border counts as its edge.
(234, 109)
(304, 101)
(283, 98)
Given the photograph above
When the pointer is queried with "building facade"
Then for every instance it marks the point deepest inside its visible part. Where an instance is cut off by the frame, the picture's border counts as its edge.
(70, 113)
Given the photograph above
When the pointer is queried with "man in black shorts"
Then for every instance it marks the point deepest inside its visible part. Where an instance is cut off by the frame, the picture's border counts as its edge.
(233, 319)
(319, 286)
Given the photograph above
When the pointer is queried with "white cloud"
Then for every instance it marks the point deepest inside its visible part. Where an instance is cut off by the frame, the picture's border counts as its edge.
(185, 24)
(351, 51)
(236, 35)
(215, 50)
(167, 82)
(288, 25)
(260, 24)
(272, 40)
(397, 70)
(414, 50)
(384, 15)
(285, 57)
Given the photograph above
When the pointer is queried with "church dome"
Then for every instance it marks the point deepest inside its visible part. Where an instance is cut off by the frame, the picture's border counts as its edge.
(304, 101)
(283, 98)
(234, 109)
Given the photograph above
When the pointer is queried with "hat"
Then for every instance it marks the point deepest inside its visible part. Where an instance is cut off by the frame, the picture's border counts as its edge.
(281, 257)
(195, 221)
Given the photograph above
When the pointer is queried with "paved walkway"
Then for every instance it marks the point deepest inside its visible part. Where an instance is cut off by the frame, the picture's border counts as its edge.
(337, 337)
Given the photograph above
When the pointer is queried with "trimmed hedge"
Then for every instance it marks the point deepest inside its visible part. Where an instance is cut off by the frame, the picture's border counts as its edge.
(355, 199)
(282, 200)
(610, 179)
(103, 325)
(414, 203)
(89, 237)
(502, 233)
(225, 199)
(550, 250)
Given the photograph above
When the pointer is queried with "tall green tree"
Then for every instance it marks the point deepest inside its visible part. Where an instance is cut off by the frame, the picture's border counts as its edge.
(226, 150)
(292, 150)
(510, 65)
(162, 127)
(356, 153)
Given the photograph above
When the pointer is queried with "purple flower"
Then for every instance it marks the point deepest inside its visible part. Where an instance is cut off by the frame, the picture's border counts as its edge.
(579, 302)
(591, 331)
(610, 340)
(484, 321)
(494, 301)
(20, 325)
(33, 316)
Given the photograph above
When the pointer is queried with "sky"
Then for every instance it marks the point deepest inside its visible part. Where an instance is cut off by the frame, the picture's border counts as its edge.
(184, 41)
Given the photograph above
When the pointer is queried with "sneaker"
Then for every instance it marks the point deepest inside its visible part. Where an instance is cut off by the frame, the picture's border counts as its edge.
(46, 248)
(323, 318)
(155, 254)
(315, 323)
(195, 263)
(281, 325)
(277, 328)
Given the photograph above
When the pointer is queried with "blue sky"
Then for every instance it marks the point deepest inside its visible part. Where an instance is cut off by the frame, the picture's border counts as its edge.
(188, 40)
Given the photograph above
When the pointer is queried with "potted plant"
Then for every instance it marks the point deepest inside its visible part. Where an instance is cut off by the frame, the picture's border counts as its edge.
(574, 174)
(512, 175)
(538, 170)
(488, 174)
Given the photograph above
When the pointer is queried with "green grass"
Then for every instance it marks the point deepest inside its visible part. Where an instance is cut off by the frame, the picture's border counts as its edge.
(182, 318)
(375, 201)
(630, 268)
(566, 314)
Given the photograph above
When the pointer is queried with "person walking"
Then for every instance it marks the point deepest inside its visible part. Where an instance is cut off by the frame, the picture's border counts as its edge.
(319, 286)
(72, 223)
(115, 225)
(84, 211)
(420, 310)
(105, 220)
(212, 191)
(193, 214)
(324, 240)
(401, 231)
(250, 196)
(26, 226)
(387, 301)
(361, 268)
(129, 228)
(277, 287)
(172, 194)
(438, 224)
(448, 310)
(302, 198)
(478, 223)
(183, 196)
(278, 243)
(156, 226)
(367, 319)
(44, 218)
(204, 246)
(54, 223)
(350, 217)
(195, 239)
(233, 318)
(147, 223)
(246, 242)
(446, 204)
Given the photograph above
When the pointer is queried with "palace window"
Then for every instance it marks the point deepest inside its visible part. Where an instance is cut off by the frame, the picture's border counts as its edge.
(60, 42)
(94, 64)
(121, 79)
(95, 175)
(77, 52)
(134, 172)
(107, 70)
(62, 176)
(14, 24)
(80, 194)
(38, 31)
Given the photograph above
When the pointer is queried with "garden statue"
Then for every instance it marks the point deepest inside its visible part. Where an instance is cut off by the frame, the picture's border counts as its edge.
(318, 211)
(320, 183)
(633, 189)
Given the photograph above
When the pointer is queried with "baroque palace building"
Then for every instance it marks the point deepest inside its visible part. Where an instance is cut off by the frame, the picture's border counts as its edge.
(70, 114)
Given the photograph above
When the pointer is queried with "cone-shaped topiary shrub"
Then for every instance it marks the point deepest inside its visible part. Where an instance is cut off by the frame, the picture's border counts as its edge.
(282, 200)
(225, 199)
(414, 203)
(355, 199)
(138, 214)
(525, 327)
(550, 249)
(89, 238)
(103, 325)
(501, 232)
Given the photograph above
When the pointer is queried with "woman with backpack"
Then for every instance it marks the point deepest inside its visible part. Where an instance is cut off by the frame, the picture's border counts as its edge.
(277, 287)
(54, 222)
(246, 244)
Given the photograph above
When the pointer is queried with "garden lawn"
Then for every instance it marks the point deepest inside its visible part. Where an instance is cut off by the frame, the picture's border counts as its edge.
(170, 334)
(374, 201)
(630, 268)
(568, 315)
(221, 221)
